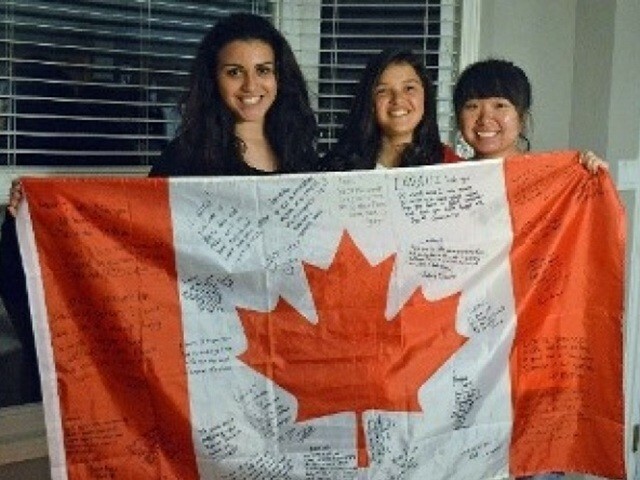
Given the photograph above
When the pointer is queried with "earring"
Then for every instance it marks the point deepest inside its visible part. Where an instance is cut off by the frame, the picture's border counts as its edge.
(524, 143)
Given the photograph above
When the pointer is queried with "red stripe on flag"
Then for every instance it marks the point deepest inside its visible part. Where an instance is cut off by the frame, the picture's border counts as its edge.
(110, 290)
(566, 365)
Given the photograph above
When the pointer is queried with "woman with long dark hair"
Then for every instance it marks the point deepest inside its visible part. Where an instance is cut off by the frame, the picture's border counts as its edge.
(247, 108)
(392, 120)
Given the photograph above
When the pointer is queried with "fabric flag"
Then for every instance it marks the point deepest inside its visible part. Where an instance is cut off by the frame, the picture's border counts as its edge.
(446, 322)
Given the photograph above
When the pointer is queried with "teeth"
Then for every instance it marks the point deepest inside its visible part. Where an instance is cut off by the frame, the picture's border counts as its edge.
(398, 113)
(486, 134)
(250, 100)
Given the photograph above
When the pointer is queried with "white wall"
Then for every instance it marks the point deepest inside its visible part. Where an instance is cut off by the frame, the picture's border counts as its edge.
(594, 43)
(539, 36)
(624, 108)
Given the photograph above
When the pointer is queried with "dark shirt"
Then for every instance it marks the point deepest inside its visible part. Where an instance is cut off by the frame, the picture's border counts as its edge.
(13, 290)
(174, 163)
(12, 279)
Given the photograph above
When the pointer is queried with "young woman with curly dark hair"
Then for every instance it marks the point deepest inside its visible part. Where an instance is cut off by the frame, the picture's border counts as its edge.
(392, 120)
(247, 108)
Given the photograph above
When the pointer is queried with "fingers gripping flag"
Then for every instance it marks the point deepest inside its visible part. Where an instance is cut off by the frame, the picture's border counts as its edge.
(459, 321)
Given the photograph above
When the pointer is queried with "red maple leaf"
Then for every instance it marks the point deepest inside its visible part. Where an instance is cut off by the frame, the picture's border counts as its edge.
(353, 359)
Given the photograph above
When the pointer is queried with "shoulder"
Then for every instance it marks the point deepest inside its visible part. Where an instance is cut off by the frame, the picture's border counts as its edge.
(175, 161)
(169, 163)
(449, 155)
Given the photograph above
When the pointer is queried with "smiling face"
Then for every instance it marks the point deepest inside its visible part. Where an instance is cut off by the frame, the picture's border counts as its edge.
(246, 78)
(398, 100)
(491, 126)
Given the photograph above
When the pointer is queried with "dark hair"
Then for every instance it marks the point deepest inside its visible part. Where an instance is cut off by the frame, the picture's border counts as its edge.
(360, 138)
(207, 131)
(494, 78)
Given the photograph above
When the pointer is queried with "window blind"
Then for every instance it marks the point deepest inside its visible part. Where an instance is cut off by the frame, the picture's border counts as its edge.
(96, 82)
(346, 33)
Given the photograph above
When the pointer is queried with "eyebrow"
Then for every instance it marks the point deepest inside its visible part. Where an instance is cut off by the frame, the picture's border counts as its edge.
(261, 64)
(408, 80)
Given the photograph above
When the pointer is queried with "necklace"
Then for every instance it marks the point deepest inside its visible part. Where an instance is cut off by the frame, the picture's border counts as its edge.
(268, 165)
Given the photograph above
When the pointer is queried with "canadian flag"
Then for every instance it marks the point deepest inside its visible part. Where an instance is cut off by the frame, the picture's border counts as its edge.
(447, 322)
